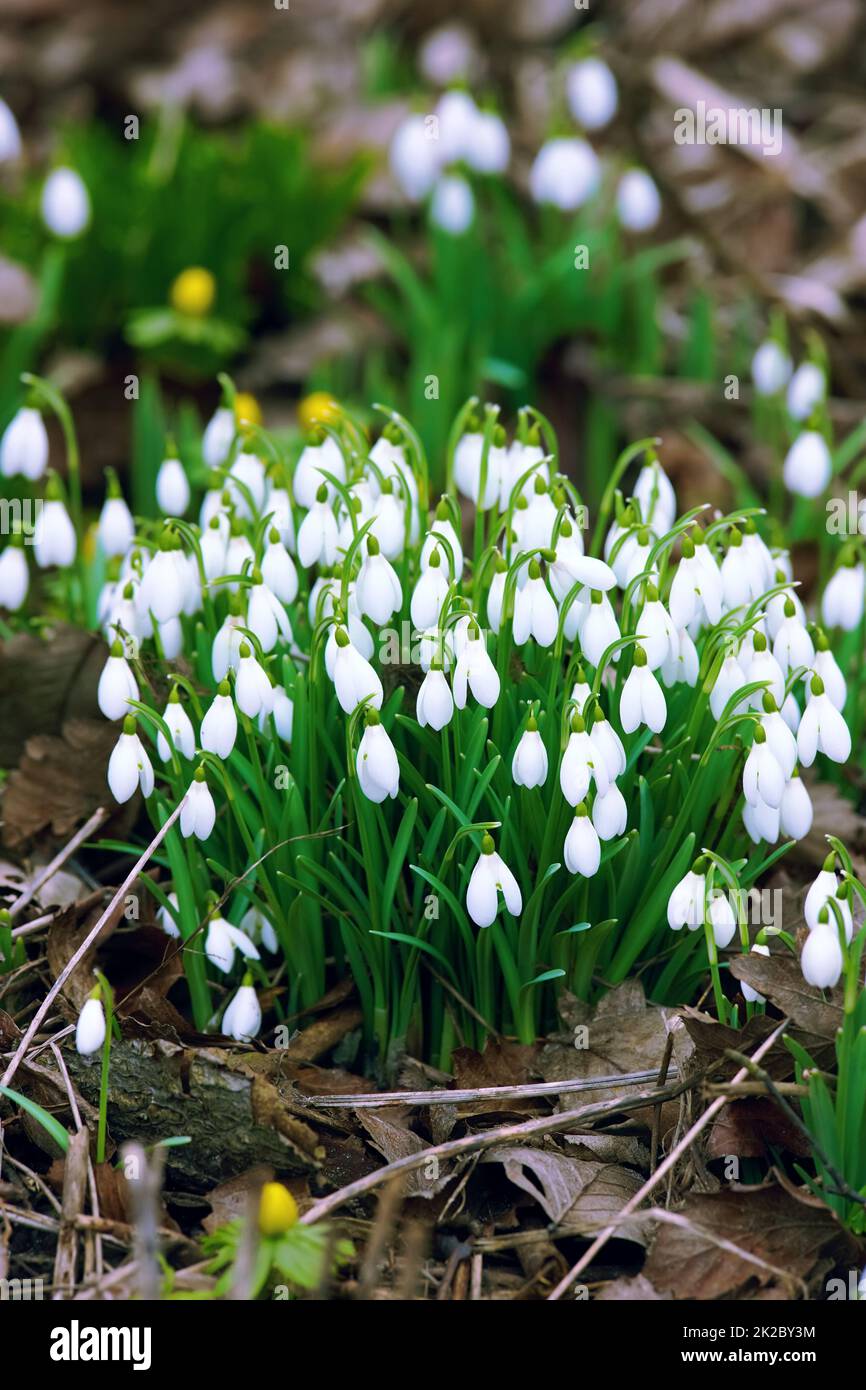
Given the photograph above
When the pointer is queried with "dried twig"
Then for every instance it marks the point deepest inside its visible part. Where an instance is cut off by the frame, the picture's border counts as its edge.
(59, 860)
(375, 1100)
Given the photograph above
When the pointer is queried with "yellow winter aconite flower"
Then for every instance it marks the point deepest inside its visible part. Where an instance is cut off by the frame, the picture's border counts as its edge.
(318, 409)
(278, 1209)
(247, 409)
(193, 291)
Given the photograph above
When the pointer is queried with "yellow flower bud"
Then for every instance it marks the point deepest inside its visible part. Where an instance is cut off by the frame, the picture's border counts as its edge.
(278, 1209)
(247, 409)
(318, 409)
(193, 292)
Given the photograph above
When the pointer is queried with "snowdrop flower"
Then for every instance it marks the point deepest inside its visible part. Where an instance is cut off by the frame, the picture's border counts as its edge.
(748, 993)
(780, 739)
(762, 822)
(457, 115)
(771, 369)
(821, 960)
(246, 484)
(377, 588)
(225, 651)
(806, 390)
(282, 712)
(475, 672)
(656, 631)
(777, 606)
(278, 569)
(538, 518)
(24, 446)
(825, 887)
(529, 764)
(496, 593)
(389, 527)
(741, 581)
(609, 744)
(214, 547)
(491, 876)
(242, 1019)
(687, 902)
(376, 761)
(452, 206)
(582, 762)
(14, 577)
(317, 535)
(722, 920)
(168, 919)
(762, 567)
(793, 645)
(259, 929)
(323, 455)
(117, 685)
(179, 726)
(218, 437)
(429, 595)
(822, 728)
(535, 613)
(763, 666)
(162, 591)
(219, 728)
(592, 93)
(467, 467)
(221, 942)
(54, 541)
(582, 849)
(566, 172)
(10, 135)
(90, 1028)
(435, 703)
(599, 629)
(642, 700)
(414, 156)
(684, 664)
(253, 690)
(172, 488)
(808, 467)
(729, 680)
(353, 676)
(266, 616)
(795, 812)
(65, 203)
(654, 491)
(199, 813)
(826, 666)
(116, 528)
(638, 203)
(762, 776)
(129, 766)
(442, 528)
(609, 813)
(844, 598)
(489, 144)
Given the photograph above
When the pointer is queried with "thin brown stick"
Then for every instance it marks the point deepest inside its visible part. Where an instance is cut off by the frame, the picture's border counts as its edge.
(59, 860)
(657, 1113)
(375, 1100)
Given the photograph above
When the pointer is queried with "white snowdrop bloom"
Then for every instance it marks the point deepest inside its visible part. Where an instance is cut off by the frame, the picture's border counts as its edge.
(242, 1019)
(582, 763)
(240, 557)
(685, 665)
(529, 764)
(582, 848)
(218, 437)
(54, 541)
(642, 700)
(214, 547)
(442, 528)
(591, 92)
(609, 744)
(565, 172)
(796, 813)
(353, 676)
(467, 468)
(170, 635)
(116, 529)
(14, 578)
(429, 595)
(763, 666)
(748, 993)
(793, 646)
(267, 617)
(638, 202)
(414, 156)
(824, 886)
(90, 1028)
(826, 666)
(821, 960)
(634, 557)
(739, 580)
(65, 203)
(10, 135)
(806, 390)
(489, 146)
(572, 567)
(376, 761)
(434, 705)
(253, 689)
(225, 651)
(172, 488)
(609, 813)
(822, 728)
(168, 919)
(223, 939)
(199, 813)
(389, 527)
(117, 685)
(581, 691)
(129, 766)
(259, 929)
(246, 484)
(776, 608)
(162, 591)
(496, 594)
(844, 598)
(729, 680)
(535, 612)
(318, 458)
(658, 503)
(452, 206)
(520, 457)
(763, 779)
(491, 876)
(24, 446)
(282, 519)
(780, 738)
(771, 368)
(219, 728)
(599, 629)
(721, 917)
(475, 672)
(539, 519)
(317, 534)
(377, 587)
(696, 589)
(278, 569)
(359, 636)
(282, 713)
(762, 822)
(808, 467)
(179, 726)
(456, 114)
(762, 566)
(687, 904)
(656, 631)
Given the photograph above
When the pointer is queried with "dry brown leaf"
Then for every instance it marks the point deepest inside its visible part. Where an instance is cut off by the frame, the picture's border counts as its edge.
(579, 1198)
(750, 1127)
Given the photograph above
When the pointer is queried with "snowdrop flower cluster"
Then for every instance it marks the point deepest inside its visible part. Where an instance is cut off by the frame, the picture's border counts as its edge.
(429, 152)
